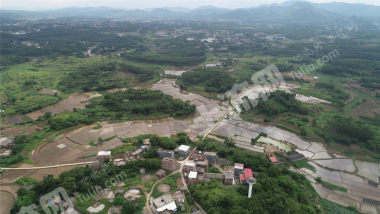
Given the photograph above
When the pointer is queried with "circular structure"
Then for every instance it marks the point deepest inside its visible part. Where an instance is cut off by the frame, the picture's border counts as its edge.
(251, 180)
(7, 201)
(164, 188)
(147, 178)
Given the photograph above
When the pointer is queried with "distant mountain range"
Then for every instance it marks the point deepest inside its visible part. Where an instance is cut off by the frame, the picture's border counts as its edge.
(289, 12)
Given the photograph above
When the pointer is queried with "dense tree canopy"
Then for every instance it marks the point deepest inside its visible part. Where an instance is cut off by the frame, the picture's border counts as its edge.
(212, 79)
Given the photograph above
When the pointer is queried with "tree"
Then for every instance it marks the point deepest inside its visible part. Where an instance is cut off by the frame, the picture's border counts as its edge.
(128, 207)
(119, 200)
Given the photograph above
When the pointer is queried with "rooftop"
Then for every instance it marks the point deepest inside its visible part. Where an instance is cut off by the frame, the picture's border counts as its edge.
(242, 177)
(5, 141)
(239, 166)
(104, 153)
(190, 163)
(248, 172)
(273, 159)
(165, 202)
(193, 175)
(184, 148)
(210, 153)
(229, 174)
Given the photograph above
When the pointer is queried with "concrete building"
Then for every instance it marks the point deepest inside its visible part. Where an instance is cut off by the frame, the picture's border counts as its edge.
(246, 175)
(118, 162)
(273, 159)
(189, 166)
(160, 173)
(183, 150)
(165, 154)
(202, 165)
(103, 155)
(229, 177)
(211, 157)
(238, 169)
(192, 178)
(169, 164)
(146, 144)
(163, 204)
(196, 156)
(6, 142)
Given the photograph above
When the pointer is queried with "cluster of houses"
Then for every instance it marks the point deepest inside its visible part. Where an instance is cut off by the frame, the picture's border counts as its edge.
(194, 170)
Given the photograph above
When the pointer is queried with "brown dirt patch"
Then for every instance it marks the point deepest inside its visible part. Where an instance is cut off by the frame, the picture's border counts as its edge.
(164, 188)
(147, 177)
(7, 201)
(49, 91)
(76, 100)
(370, 108)
(16, 131)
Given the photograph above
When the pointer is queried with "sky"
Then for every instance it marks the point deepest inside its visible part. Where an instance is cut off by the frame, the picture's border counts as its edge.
(140, 4)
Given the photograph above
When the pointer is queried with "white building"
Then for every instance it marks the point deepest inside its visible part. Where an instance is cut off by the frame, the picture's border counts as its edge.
(183, 150)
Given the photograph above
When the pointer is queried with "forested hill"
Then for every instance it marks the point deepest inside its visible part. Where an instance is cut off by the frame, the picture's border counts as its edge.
(297, 12)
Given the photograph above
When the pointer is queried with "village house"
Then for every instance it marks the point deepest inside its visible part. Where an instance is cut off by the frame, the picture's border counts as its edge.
(103, 155)
(6, 142)
(238, 169)
(229, 178)
(194, 177)
(160, 173)
(163, 203)
(183, 150)
(146, 144)
(189, 166)
(211, 157)
(169, 164)
(246, 175)
(273, 159)
(165, 154)
(196, 156)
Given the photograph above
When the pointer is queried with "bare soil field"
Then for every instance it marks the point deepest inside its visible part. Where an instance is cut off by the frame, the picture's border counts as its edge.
(16, 131)
(76, 100)
(6, 201)
(369, 108)
(147, 177)
(164, 188)
(49, 91)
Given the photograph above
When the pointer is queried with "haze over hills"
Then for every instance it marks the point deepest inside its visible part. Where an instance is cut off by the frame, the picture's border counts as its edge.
(298, 12)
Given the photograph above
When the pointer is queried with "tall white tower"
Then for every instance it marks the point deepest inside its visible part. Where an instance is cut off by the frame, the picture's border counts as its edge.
(250, 181)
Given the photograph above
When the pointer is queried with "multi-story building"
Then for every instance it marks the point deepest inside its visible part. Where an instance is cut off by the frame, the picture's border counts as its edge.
(238, 169)
(211, 157)
(169, 164)
(165, 154)
(183, 150)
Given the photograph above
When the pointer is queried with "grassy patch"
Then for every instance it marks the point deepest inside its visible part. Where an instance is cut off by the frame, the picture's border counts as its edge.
(122, 149)
(171, 180)
(303, 164)
(333, 208)
(213, 169)
(330, 185)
